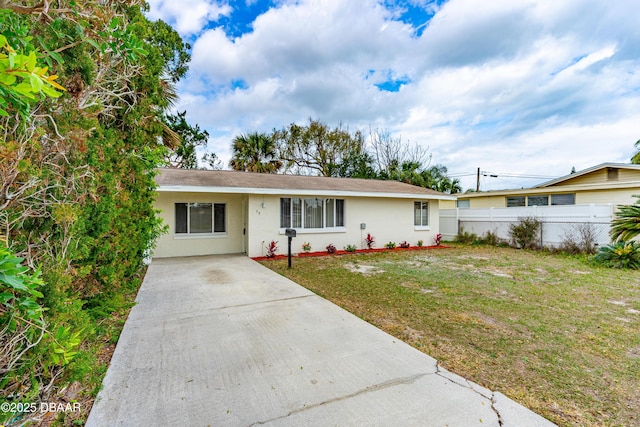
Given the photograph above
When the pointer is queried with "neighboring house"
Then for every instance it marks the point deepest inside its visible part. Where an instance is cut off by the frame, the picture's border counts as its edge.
(607, 183)
(590, 196)
(220, 212)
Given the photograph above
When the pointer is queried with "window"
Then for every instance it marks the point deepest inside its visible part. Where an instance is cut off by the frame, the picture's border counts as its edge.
(538, 200)
(612, 174)
(515, 201)
(311, 213)
(421, 214)
(563, 199)
(200, 218)
(463, 204)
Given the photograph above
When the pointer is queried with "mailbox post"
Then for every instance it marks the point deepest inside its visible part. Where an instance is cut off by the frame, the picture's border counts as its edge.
(291, 233)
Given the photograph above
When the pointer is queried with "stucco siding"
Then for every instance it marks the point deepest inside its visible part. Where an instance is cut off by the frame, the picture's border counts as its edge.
(172, 244)
(386, 219)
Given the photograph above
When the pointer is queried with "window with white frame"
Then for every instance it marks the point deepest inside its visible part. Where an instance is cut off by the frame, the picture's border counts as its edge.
(296, 212)
(200, 218)
(421, 214)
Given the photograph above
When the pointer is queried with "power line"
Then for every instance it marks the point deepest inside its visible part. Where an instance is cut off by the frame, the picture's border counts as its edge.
(515, 175)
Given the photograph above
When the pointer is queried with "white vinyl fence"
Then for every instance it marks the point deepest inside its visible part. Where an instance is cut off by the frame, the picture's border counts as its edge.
(557, 221)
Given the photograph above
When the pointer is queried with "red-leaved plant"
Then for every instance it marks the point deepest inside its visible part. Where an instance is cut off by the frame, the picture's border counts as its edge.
(330, 248)
(404, 244)
(370, 241)
(437, 238)
(272, 249)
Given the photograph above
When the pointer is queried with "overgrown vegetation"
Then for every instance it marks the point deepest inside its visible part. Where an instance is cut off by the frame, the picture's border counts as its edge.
(555, 333)
(525, 234)
(579, 239)
(82, 135)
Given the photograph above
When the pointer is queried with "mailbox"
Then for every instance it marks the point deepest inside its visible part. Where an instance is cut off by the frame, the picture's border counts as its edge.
(290, 232)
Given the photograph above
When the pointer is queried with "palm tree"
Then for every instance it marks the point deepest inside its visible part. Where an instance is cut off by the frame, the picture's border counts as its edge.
(626, 225)
(255, 152)
(636, 157)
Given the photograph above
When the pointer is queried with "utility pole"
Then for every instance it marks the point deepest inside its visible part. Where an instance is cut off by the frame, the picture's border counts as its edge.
(478, 181)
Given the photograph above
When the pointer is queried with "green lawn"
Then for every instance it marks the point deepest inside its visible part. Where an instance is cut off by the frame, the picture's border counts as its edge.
(552, 332)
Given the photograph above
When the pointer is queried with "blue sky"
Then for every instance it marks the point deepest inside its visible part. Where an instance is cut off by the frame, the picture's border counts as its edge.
(514, 87)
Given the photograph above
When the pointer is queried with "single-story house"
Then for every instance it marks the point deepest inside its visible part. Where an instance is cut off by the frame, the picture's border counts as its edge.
(607, 183)
(220, 212)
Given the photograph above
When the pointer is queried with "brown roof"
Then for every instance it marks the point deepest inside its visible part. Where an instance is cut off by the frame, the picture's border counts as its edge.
(249, 180)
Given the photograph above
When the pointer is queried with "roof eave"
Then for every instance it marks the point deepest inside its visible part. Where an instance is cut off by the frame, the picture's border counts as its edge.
(587, 171)
(299, 192)
(553, 190)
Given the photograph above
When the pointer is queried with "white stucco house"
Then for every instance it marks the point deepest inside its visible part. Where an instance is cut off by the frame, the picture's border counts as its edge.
(223, 212)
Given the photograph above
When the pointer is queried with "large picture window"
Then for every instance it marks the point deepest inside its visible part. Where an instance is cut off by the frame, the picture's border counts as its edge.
(200, 218)
(314, 212)
(421, 214)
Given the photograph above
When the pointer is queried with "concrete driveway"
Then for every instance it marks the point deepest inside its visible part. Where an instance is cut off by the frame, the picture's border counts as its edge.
(224, 341)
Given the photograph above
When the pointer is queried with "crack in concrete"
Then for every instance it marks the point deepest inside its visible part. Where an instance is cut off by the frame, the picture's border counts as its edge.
(208, 311)
(493, 407)
(224, 307)
(369, 389)
(470, 387)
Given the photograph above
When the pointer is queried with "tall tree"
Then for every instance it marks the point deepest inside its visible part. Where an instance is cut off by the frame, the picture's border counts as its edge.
(316, 148)
(436, 178)
(190, 138)
(391, 153)
(255, 152)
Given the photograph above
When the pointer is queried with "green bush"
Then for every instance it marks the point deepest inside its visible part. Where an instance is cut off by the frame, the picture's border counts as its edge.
(350, 248)
(619, 255)
(466, 237)
(525, 233)
(390, 245)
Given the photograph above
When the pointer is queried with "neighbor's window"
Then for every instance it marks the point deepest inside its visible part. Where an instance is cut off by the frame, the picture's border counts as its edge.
(563, 199)
(200, 218)
(463, 204)
(421, 214)
(515, 201)
(311, 212)
(538, 200)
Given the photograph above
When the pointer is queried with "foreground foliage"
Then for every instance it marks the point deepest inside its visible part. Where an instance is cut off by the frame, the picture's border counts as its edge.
(83, 90)
(620, 255)
(626, 224)
(552, 332)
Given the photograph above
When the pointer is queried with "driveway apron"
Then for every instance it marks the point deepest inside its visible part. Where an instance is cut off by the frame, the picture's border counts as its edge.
(224, 341)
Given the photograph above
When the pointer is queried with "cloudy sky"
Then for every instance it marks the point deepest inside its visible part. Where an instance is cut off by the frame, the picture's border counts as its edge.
(514, 87)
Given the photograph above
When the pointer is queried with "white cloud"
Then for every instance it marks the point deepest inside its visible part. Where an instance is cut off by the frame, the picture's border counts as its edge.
(534, 86)
(187, 16)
